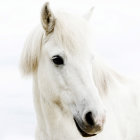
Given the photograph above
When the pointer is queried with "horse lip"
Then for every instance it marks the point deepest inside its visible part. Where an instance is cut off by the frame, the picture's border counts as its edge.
(83, 133)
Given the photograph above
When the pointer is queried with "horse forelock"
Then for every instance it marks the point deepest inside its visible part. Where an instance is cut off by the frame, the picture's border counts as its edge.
(71, 32)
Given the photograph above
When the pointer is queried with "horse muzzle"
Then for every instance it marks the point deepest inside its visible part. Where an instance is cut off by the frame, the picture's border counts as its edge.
(89, 126)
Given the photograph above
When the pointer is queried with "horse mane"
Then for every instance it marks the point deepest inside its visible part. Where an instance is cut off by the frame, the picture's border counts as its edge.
(71, 31)
(105, 76)
(31, 51)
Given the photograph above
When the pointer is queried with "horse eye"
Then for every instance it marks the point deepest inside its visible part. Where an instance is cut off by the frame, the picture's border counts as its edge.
(58, 60)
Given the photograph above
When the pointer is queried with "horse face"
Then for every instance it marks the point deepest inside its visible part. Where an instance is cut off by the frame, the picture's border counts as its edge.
(65, 74)
(67, 80)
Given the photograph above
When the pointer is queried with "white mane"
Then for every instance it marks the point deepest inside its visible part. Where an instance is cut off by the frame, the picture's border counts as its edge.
(31, 51)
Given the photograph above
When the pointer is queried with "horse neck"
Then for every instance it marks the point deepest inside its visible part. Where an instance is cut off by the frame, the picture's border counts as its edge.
(41, 129)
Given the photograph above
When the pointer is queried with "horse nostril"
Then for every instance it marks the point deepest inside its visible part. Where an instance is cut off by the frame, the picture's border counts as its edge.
(89, 118)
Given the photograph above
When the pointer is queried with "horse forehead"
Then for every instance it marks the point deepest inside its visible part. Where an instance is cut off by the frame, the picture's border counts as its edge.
(67, 19)
(71, 32)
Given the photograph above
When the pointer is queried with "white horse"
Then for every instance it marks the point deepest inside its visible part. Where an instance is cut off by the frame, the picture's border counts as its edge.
(76, 95)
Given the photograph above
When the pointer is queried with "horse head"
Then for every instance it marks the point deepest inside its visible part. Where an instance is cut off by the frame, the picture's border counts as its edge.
(59, 55)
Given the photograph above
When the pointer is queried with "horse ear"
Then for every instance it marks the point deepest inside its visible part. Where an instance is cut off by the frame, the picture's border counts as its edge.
(89, 14)
(47, 18)
(31, 51)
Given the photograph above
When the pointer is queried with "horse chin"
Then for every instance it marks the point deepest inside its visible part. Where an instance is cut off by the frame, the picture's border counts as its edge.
(83, 133)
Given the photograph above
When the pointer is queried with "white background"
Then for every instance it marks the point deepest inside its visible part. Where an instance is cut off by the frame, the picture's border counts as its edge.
(117, 38)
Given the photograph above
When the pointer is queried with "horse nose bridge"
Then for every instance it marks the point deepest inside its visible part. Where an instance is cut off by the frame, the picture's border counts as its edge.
(89, 100)
(84, 76)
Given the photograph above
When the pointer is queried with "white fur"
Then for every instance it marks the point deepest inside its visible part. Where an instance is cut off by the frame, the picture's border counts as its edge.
(59, 91)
